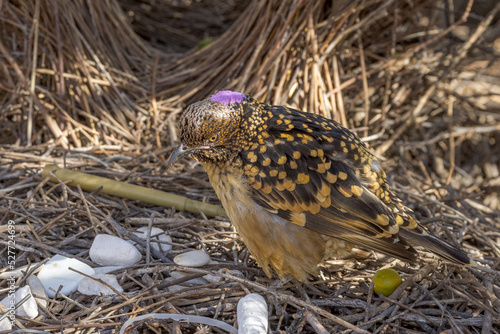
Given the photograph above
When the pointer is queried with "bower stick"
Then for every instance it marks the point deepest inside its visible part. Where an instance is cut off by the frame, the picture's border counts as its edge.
(121, 189)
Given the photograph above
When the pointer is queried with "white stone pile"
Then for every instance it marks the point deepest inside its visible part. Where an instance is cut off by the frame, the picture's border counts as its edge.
(64, 275)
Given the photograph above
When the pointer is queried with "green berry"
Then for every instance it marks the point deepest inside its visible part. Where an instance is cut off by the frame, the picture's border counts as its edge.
(386, 281)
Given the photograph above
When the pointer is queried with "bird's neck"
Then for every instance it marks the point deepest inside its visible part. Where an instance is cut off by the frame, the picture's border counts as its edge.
(255, 116)
(225, 178)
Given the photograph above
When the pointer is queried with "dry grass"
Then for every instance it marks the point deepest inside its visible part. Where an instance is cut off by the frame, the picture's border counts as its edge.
(96, 86)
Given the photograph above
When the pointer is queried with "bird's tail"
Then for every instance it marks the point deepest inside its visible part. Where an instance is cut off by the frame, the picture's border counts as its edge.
(437, 246)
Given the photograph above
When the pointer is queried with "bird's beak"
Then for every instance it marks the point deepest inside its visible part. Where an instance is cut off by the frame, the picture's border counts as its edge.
(178, 154)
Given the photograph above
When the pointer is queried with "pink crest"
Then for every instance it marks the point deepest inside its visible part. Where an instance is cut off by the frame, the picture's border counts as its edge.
(228, 97)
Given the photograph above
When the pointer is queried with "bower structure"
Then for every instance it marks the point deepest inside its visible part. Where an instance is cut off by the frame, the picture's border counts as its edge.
(96, 86)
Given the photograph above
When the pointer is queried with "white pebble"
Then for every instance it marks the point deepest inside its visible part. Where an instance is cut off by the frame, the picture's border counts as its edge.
(156, 234)
(194, 258)
(38, 290)
(108, 250)
(195, 281)
(56, 273)
(252, 315)
(27, 309)
(92, 287)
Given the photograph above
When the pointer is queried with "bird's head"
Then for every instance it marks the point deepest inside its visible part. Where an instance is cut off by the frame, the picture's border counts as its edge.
(215, 129)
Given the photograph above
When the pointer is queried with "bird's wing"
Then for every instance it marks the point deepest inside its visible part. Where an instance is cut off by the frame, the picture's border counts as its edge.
(307, 177)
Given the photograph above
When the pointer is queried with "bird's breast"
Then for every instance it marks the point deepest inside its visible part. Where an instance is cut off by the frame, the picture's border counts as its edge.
(273, 241)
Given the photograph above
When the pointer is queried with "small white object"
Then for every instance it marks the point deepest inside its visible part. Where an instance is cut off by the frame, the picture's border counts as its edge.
(252, 315)
(56, 273)
(92, 287)
(38, 290)
(156, 234)
(195, 281)
(194, 258)
(27, 309)
(108, 250)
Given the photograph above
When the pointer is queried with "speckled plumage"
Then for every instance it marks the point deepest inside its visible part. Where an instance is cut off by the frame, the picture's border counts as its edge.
(298, 187)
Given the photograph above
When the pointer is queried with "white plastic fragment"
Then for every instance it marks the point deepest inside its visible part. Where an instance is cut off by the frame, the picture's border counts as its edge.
(156, 234)
(92, 287)
(56, 272)
(252, 315)
(108, 250)
(38, 290)
(27, 309)
(194, 258)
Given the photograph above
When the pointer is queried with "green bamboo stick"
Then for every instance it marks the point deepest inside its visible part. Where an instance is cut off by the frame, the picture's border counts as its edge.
(130, 191)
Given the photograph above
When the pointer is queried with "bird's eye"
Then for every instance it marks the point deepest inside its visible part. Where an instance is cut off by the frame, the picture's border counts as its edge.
(214, 138)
